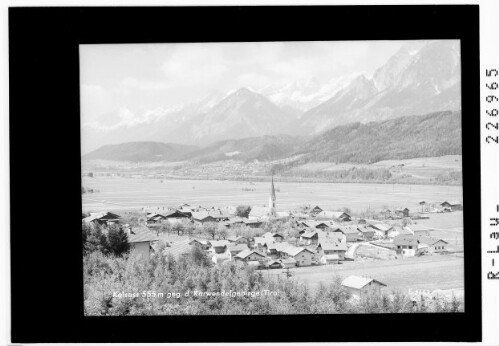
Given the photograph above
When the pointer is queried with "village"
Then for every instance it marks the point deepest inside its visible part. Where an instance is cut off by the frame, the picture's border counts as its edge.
(315, 237)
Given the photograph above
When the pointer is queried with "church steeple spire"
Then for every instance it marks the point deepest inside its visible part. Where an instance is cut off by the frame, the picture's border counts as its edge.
(272, 197)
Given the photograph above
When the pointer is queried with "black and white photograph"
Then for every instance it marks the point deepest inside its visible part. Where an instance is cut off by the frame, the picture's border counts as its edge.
(272, 178)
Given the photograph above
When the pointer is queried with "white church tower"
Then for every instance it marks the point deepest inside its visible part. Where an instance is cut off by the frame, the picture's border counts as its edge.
(272, 198)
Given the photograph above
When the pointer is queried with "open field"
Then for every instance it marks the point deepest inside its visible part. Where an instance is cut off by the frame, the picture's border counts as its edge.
(417, 273)
(422, 168)
(122, 193)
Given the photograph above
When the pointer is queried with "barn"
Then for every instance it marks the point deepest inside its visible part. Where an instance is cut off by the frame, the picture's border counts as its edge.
(360, 286)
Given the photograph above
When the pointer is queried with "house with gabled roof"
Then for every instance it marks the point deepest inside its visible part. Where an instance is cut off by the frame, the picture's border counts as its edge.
(289, 262)
(367, 233)
(406, 245)
(218, 246)
(141, 241)
(309, 237)
(381, 230)
(201, 243)
(102, 218)
(250, 255)
(234, 249)
(432, 244)
(336, 215)
(176, 216)
(252, 223)
(238, 240)
(315, 210)
(453, 205)
(302, 256)
(351, 232)
(273, 264)
(360, 286)
(276, 237)
(332, 248)
(418, 230)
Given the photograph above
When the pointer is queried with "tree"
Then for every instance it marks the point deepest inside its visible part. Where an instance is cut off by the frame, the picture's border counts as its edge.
(178, 227)
(243, 210)
(210, 229)
(222, 231)
(96, 240)
(118, 241)
(90, 174)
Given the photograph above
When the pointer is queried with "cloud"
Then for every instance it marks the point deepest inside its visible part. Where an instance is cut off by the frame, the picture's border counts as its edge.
(127, 119)
(195, 64)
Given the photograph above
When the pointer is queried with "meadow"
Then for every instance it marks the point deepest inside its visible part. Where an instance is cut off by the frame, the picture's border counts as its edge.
(126, 193)
(444, 272)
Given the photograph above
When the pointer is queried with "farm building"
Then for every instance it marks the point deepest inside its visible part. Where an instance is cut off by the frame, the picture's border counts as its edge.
(332, 248)
(367, 233)
(432, 244)
(201, 243)
(337, 215)
(402, 212)
(315, 210)
(249, 255)
(381, 230)
(221, 258)
(418, 230)
(351, 233)
(102, 218)
(252, 223)
(260, 242)
(200, 218)
(177, 248)
(406, 245)
(176, 216)
(154, 218)
(309, 237)
(328, 259)
(141, 241)
(453, 205)
(273, 264)
(238, 240)
(398, 231)
(315, 224)
(276, 249)
(218, 246)
(289, 262)
(234, 249)
(276, 237)
(360, 286)
(303, 256)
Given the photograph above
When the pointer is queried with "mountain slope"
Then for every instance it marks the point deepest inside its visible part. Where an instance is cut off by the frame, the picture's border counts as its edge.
(140, 152)
(434, 134)
(265, 148)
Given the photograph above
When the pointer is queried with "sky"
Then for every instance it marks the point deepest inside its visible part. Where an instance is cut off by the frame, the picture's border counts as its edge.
(140, 77)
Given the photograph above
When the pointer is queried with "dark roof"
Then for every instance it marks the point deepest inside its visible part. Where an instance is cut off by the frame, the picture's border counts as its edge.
(175, 213)
(219, 243)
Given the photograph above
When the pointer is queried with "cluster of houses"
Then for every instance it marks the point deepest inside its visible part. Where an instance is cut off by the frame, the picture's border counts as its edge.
(323, 237)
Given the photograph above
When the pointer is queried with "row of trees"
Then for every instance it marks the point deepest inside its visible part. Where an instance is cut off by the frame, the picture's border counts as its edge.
(167, 285)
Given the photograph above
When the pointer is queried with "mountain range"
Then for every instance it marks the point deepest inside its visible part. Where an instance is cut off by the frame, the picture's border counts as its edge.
(434, 134)
(420, 78)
